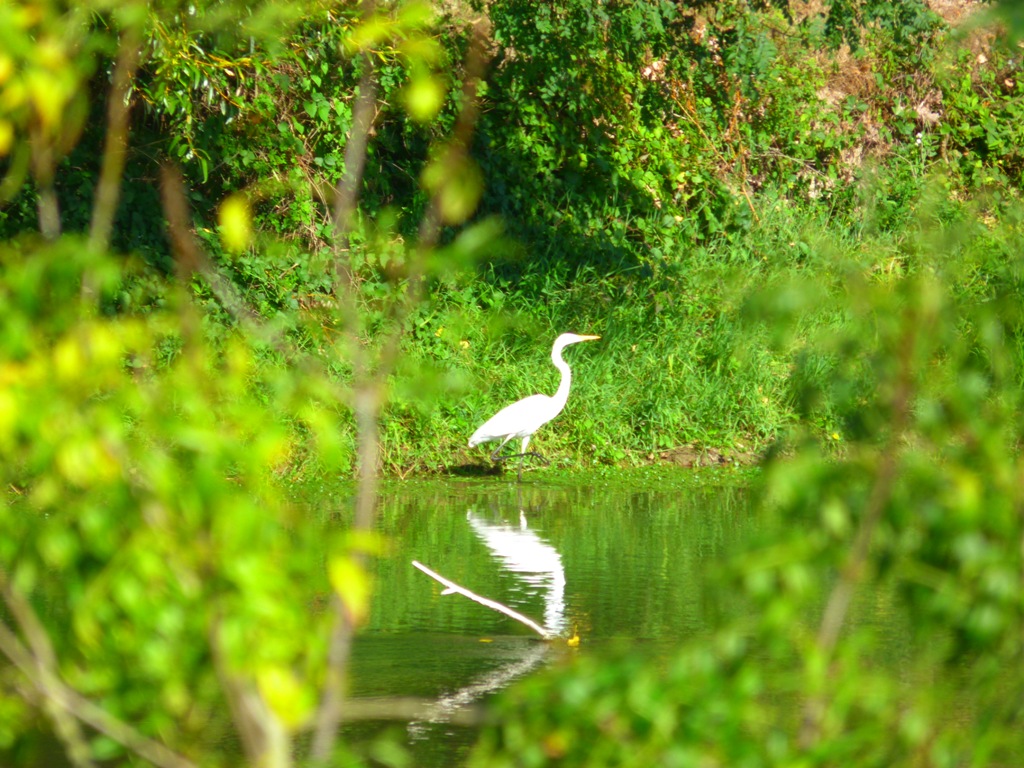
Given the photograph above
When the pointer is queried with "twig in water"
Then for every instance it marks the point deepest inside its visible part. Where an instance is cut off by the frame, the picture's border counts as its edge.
(452, 587)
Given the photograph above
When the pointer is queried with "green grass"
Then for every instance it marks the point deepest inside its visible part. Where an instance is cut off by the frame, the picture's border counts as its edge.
(726, 346)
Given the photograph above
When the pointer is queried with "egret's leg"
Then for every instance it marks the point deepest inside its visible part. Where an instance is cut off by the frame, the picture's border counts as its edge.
(494, 456)
(523, 453)
(522, 457)
(517, 455)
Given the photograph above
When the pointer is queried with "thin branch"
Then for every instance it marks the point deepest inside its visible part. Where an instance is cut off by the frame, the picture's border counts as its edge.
(190, 259)
(43, 662)
(345, 204)
(838, 605)
(115, 150)
(38, 665)
(345, 201)
(365, 396)
(263, 737)
(458, 154)
(690, 113)
(369, 382)
(43, 168)
(347, 193)
(452, 588)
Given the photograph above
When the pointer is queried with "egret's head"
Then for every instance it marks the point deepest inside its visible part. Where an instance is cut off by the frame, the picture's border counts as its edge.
(572, 338)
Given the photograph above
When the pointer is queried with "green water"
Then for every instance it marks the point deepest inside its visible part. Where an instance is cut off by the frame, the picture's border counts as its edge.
(618, 563)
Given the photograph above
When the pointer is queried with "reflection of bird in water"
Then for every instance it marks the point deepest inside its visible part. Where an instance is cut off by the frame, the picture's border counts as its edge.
(523, 552)
(528, 657)
(526, 416)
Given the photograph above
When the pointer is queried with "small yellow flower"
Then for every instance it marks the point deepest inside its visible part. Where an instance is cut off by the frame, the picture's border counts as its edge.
(835, 435)
(464, 344)
(439, 331)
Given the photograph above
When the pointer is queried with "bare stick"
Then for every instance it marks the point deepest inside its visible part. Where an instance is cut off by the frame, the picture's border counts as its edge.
(451, 587)
(44, 163)
(115, 151)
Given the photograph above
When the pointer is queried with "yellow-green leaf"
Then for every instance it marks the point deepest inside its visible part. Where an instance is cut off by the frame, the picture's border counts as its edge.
(285, 695)
(6, 137)
(48, 96)
(367, 542)
(353, 586)
(457, 184)
(370, 34)
(416, 14)
(8, 415)
(235, 223)
(423, 97)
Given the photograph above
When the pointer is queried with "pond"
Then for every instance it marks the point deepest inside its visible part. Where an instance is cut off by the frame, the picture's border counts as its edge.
(629, 560)
(611, 562)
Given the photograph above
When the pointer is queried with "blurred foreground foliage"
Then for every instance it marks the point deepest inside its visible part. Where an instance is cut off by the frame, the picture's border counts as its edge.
(687, 180)
(164, 599)
(141, 510)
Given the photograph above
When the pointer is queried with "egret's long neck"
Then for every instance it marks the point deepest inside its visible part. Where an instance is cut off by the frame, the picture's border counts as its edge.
(562, 395)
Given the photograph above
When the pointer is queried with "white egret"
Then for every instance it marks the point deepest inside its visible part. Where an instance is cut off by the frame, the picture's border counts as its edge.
(526, 416)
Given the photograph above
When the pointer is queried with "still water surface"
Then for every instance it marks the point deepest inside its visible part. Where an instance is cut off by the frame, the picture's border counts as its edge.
(617, 563)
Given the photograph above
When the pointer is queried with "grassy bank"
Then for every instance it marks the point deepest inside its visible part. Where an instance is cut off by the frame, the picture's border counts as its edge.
(723, 352)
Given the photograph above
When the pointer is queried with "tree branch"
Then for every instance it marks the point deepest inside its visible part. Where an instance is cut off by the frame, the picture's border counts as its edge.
(115, 149)
(838, 605)
(66, 705)
(264, 739)
(365, 404)
(368, 381)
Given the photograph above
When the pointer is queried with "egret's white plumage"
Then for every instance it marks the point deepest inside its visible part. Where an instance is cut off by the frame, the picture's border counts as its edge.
(526, 416)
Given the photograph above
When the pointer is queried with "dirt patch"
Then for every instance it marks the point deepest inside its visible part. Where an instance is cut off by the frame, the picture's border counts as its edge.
(694, 455)
(954, 11)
